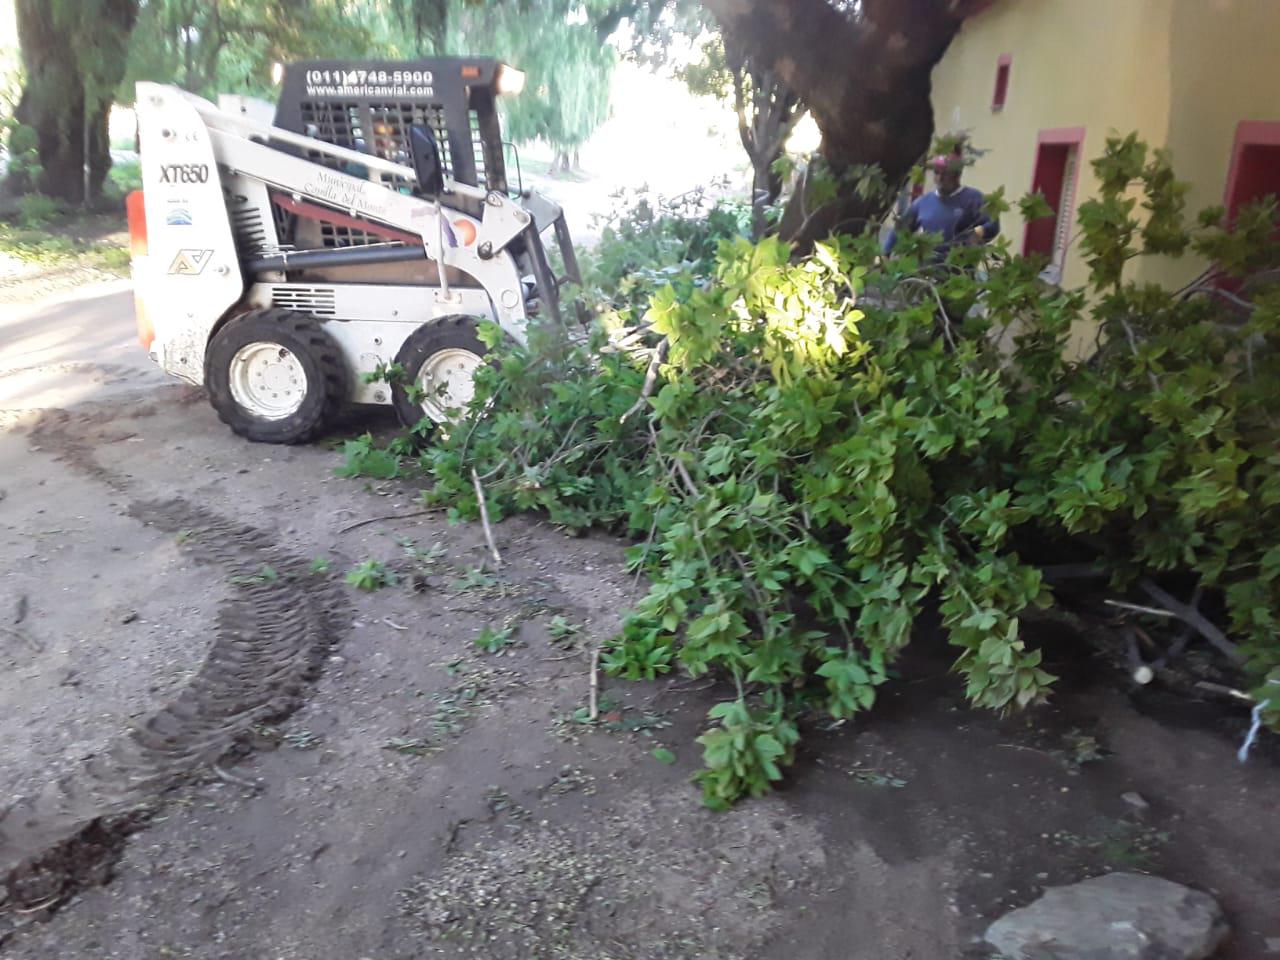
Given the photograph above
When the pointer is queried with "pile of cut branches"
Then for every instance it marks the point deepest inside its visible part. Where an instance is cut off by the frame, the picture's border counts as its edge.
(807, 452)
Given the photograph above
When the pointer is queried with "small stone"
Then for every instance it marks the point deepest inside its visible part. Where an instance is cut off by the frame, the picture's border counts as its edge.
(129, 617)
(1135, 800)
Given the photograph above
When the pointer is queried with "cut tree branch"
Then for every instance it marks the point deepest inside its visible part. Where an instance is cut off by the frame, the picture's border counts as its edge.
(650, 379)
(1193, 618)
(484, 519)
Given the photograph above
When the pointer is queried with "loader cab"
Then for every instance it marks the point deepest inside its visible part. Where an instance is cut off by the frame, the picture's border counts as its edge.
(398, 110)
(372, 107)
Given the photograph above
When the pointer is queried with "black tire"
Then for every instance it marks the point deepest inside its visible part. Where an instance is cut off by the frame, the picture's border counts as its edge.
(321, 361)
(446, 333)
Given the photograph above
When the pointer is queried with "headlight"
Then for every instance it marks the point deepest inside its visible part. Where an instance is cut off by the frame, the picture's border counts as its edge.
(510, 80)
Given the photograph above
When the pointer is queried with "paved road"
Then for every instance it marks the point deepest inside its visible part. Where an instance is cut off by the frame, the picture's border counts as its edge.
(82, 345)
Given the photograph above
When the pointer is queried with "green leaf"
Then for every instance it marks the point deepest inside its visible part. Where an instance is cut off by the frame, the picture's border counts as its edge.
(1034, 206)
(768, 747)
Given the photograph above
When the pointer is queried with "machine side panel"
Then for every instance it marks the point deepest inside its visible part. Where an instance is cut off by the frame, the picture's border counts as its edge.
(191, 276)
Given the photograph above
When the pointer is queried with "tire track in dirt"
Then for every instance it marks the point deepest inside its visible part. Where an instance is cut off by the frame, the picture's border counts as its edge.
(270, 639)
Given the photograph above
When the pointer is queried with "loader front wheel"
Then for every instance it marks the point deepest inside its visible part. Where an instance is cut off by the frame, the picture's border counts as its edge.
(274, 376)
(439, 360)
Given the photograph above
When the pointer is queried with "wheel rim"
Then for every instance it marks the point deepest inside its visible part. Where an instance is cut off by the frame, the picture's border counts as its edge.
(267, 380)
(445, 379)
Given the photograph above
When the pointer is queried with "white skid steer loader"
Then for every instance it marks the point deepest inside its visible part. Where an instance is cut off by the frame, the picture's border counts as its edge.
(282, 253)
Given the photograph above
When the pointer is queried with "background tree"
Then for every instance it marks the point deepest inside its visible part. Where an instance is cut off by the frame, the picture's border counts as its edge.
(862, 67)
(73, 55)
(767, 113)
(568, 66)
(210, 45)
(428, 20)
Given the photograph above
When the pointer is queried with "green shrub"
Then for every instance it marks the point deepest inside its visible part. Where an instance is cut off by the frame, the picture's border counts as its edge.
(363, 458)
(652, 241)
(24, 157)
(370, 575)
(826, 450)
(35, 210)
(116, 259)
(125, 176)
(35, 245)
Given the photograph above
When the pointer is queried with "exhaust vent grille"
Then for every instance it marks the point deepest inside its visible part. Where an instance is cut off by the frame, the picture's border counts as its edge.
(317, 301)
(250, 233)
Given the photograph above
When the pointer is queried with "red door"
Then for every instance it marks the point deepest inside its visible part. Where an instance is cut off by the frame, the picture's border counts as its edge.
(1254, 174)
(1054, 177)
(1050, 175)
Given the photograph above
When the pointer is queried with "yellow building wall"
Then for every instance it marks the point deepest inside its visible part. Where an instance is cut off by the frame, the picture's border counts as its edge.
(1182, 73)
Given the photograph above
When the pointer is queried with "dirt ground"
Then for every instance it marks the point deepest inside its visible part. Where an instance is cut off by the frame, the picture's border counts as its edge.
(215, 749)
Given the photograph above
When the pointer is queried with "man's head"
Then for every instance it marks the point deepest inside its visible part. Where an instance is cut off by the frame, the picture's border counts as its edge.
(947, 169)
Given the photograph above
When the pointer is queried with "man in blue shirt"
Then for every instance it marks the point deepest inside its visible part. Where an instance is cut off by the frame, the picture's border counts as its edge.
(952, 211)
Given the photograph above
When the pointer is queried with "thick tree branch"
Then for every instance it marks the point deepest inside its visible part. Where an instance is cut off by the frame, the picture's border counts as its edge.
(864, 77)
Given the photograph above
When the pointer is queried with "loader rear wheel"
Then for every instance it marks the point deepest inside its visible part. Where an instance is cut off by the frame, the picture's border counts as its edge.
(439, 358)
(275, 376)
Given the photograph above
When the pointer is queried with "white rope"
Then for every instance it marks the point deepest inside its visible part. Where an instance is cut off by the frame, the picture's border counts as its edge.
(1254, 728)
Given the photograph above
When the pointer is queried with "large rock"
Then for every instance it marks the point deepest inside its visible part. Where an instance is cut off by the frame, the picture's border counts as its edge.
(1120, 916)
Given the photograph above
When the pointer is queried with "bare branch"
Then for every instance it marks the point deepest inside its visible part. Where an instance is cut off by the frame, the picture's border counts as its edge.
(650, 379)
(484, 519)
(1195, 619)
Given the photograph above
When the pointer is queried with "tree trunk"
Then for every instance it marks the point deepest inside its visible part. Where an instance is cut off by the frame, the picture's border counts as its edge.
(864, 76)
(765, 187)
(98, 161)
(767, 113)
(57, 41)
(52, 101)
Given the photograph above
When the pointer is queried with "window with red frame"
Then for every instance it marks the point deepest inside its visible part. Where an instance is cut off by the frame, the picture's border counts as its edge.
(1002, 82)
(1255, 165)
